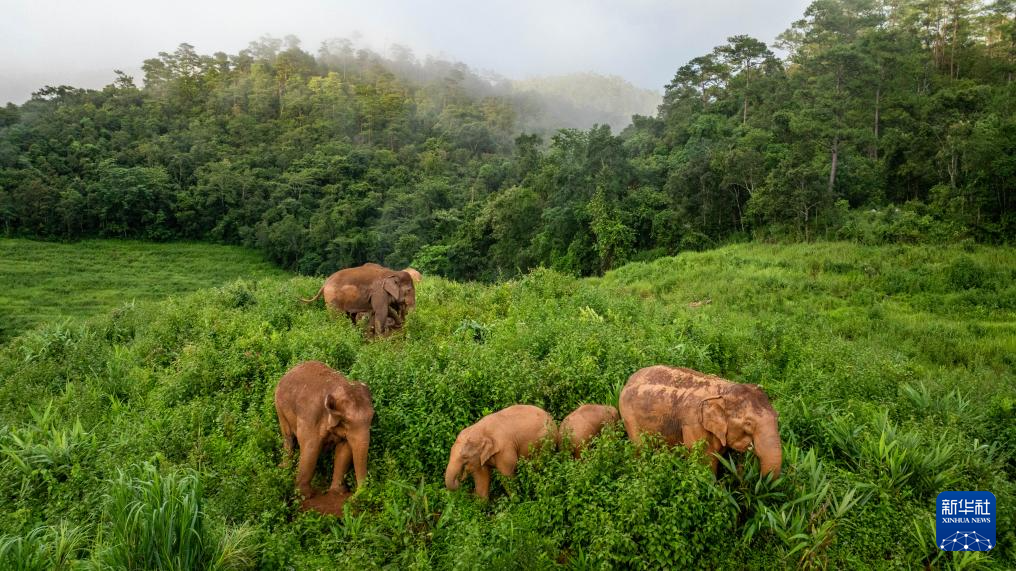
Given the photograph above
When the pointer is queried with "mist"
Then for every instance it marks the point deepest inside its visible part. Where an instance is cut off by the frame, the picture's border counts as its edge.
(63, 42)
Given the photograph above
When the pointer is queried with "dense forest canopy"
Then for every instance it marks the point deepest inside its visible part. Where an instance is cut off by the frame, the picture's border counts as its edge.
(890, 120)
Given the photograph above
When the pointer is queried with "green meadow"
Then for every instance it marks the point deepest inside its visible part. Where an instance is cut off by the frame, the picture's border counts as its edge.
(145, 437)
(45, 281)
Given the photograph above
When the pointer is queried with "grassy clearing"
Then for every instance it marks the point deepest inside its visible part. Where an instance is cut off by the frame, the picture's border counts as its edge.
(42, 282)
(892, 369)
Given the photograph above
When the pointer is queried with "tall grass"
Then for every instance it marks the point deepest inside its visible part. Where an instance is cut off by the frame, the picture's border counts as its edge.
(157, 521)
(61, 547)
(891, 368)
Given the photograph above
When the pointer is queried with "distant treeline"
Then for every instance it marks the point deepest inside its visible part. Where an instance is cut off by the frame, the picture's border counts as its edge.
(886, 121)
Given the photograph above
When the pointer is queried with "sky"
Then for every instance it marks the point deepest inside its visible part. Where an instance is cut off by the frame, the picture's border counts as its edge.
(81, 42)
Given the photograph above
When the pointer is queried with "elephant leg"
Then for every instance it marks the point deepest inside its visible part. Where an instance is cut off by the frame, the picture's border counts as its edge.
(710, 457)
(288, 439)
(309, 453)
(287, 449)
(481, 478)
(343, 459)
(396, 316)
(505, 462)
(379, 303)
(633, 433)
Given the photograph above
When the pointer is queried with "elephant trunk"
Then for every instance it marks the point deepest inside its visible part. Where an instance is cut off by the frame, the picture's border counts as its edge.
(769, 450)
(454, 470)
(359, 445)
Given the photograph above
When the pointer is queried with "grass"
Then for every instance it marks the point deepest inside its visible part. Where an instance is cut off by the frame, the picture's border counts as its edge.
(42, 282)
(892, 369)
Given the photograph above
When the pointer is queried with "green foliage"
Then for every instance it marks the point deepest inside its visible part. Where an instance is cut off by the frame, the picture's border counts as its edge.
(155, 521)
(872, 129)
(61, 547)
(892, 381)
(40, 281)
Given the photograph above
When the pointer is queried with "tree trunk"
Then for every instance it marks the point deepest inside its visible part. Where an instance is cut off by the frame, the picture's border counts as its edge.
(878, 101)
(834, 160)
(747, 79)
(953, 71)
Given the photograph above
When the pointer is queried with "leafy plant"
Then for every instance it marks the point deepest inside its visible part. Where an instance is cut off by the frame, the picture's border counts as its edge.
(152, 520)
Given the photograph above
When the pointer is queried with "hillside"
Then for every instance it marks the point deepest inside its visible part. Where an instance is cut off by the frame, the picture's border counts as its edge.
(892, 369)
(865, 121)
(44, 282)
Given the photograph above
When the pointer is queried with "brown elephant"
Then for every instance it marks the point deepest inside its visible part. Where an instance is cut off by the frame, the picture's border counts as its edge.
(585, 422)
(414, 274)
(498, 440)
(317, 407)
(370, 289)
(685, 406)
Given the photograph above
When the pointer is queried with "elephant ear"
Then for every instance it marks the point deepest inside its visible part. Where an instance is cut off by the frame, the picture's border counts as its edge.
(391, 285)
(714, 418)
(486, 449)
(334, 408)
(482, 446)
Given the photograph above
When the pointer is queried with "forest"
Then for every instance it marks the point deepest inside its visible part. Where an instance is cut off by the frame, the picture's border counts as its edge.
(877, 121)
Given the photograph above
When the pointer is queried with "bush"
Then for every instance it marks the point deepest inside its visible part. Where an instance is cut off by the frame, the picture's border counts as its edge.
(155, 521)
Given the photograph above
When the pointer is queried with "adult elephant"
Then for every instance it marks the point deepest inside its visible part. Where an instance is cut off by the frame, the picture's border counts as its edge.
(318, 407)
(685, 406)
(370, 289)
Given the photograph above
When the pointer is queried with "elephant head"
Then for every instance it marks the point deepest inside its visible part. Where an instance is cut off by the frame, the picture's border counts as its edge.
(407, 288)
(395, 290)
(471, 450)
(350, 413)
(741, 416)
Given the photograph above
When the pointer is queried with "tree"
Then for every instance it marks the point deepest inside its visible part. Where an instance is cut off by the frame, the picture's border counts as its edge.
(743, 54)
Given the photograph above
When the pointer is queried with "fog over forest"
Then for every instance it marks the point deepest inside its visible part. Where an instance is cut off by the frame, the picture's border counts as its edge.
(66, 43)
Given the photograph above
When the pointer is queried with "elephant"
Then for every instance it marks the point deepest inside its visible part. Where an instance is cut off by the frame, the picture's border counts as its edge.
(414, 274)
(585, 422)
(370, 289)
(318, 406)
(498, 440)
(685, 406)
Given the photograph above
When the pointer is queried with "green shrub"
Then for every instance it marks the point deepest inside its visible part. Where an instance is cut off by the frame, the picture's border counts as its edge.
(62, 547)
(156, 521)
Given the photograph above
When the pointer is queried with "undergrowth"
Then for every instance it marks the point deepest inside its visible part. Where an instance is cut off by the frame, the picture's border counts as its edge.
(148, 438)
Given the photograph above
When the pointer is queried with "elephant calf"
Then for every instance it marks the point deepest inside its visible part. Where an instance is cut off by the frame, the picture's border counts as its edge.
(498, 440)
(585, 422)
(318, 406)
(685, 406)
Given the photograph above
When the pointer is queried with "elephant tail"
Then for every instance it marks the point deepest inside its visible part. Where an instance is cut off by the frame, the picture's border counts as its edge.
(315, 298)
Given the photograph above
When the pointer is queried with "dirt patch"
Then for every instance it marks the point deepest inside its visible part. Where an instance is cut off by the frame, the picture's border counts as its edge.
(328, 503)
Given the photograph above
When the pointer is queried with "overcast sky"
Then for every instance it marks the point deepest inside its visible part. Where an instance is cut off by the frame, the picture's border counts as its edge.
(81, 42)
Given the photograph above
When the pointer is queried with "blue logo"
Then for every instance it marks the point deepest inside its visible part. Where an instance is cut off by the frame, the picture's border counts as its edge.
(965, 521)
